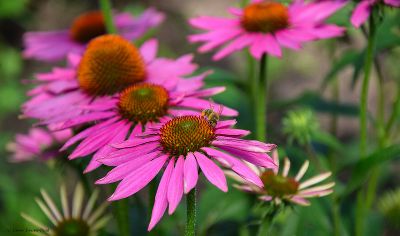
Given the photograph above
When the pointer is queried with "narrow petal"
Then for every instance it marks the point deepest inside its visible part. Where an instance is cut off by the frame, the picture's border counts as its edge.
(213, 173)
(190, 173)
(361, 13)
(302, 171)
(236, 165)
(175, 186)
(138, 179)
(314, 180)
(161, 201)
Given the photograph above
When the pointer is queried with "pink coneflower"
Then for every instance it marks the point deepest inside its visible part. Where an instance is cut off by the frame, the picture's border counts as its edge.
(280, 188)
(39, 143)
(265, 26)
(150, 90)
(55, 45)
(364, 8)
(183, 144)
(81, 218)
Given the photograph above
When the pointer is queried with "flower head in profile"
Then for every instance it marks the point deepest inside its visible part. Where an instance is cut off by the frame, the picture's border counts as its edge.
(266, 26)
(389, 206)
(281, 188)
(39, 143)
(183, 145)
(55, 45)
(364, 8)
(81, 219)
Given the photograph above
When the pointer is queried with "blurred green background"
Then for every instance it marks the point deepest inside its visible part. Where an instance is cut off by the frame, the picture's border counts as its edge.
(297, 81)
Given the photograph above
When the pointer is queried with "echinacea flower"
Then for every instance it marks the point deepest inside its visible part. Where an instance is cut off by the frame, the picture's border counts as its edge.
(55, 45)
(266, 26)
(82, 218)
(183, 144)
(280, 188)
(150, 88)
(364, 8)
(39, 143)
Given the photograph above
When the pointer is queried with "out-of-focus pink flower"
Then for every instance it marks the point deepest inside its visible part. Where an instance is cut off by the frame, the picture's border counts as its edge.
(279, 187)
(39, 143)
(183, 144)
(363, 10)
(266, 26)
(55, 45)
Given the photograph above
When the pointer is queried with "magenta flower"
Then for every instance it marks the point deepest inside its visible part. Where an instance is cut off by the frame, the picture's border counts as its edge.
(38, 143)
(265, 27)
(183, 144)
(280, 188)
(55, 45)
(364, 8)
(159, 91)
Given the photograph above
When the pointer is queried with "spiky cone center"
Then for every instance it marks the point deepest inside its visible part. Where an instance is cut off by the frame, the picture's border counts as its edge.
(87, 27)
(185, 134)
(109, 65)
(266, 17)
(72, 227)
(277, 185)
(143, 102)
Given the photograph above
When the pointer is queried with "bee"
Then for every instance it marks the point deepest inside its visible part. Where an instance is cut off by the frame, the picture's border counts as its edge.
(212, 116)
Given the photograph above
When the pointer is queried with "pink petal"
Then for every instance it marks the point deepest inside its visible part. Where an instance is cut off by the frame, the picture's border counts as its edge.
(138, 179)
(361, 13)
(190, 173)
(232, 132)
(121, 171)
(213, 173)
(161, 201)
(236, 165)
(175, 186)
(121, 156)
(149, 50)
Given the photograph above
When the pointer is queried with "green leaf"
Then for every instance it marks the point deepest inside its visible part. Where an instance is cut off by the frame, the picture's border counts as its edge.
(319, 104)
(348, 59)
(327, 139)
(364, 166)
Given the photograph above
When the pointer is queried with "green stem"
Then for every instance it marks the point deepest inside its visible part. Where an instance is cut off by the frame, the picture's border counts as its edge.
(268, 220)
(105, 6)
(261, 100)
(362, 208)
(395, 112)
(365, 85)
(191, 213)
(336, 216)
(121, 212)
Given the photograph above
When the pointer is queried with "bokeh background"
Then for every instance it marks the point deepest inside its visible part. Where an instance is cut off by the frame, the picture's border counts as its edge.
(296, 80)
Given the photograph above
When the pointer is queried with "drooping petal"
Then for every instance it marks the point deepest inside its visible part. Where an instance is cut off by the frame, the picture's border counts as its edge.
(161, 201)
(138, 179)
(190, 173)
(211, 171)
(175, 186)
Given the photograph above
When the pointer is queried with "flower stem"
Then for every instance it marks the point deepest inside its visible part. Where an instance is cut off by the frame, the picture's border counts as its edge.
(121, 212)
(191, 213)
(105, 6)
(268, 220)
(362, 209)
(365, 85)
(260, 99)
